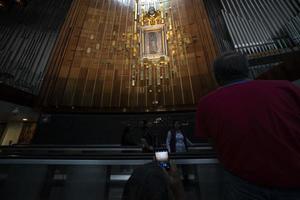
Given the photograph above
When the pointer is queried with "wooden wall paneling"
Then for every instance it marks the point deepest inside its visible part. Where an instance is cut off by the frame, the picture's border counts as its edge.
(168, 87)
(108, 55)
(183, 19)
(115, 94)
(77, 54)
(185, 67)
(82, 52)
(209, 50)
(99, 34)
(72, 27)
(70, 86)
(192, 50)
(77, 95)
(125, 71)
(176, 73)
(103, 79)
(113, 53)
(131, 96)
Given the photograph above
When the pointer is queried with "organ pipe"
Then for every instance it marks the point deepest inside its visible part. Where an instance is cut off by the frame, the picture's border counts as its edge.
(259, 26)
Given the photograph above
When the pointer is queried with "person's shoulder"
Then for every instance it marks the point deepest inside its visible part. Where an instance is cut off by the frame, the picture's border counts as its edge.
(206, 102)
(270, 83)
(273, 82)
(209, 96)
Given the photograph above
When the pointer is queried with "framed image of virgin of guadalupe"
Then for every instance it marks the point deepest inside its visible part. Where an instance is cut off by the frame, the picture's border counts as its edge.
(153, 42)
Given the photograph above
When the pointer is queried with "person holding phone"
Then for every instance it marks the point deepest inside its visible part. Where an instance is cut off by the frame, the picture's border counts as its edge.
(176, 141)
(152, 182)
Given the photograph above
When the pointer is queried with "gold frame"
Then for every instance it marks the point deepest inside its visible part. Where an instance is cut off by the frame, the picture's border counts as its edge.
(158, 29)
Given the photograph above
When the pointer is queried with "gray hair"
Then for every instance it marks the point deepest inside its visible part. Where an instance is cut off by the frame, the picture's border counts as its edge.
(231, 66)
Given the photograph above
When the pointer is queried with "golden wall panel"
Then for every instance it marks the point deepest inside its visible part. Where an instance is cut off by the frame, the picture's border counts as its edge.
(91, 68)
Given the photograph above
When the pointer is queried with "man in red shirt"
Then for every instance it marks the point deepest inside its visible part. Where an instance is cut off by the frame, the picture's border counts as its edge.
(255, 127)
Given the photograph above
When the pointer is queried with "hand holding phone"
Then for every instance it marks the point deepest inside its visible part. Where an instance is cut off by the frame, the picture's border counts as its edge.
(162, 158)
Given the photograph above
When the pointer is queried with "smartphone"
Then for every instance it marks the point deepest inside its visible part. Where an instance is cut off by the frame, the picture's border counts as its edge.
(162, 158)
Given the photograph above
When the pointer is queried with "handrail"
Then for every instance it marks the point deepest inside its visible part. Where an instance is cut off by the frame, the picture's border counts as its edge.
(28, 154)
(200, 146)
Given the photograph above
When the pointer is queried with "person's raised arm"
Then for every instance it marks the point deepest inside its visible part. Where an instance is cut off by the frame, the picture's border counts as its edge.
(168, 141)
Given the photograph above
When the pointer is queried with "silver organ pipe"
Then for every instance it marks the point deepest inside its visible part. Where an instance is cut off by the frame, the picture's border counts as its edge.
(293, 28)
(262, 26)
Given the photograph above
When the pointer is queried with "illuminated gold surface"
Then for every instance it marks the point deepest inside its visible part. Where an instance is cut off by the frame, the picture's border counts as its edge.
(97, 62)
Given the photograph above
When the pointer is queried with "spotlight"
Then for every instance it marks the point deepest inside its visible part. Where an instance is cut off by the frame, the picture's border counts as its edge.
(24, 119)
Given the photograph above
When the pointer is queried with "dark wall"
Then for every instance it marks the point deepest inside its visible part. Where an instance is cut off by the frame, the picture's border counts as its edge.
(27, 36)
(101, 129)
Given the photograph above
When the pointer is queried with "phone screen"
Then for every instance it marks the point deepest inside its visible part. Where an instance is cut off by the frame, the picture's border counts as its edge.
(162, 158)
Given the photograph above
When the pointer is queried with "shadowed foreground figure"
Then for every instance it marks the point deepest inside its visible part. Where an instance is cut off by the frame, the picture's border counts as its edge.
(150, 182)
(255, 127)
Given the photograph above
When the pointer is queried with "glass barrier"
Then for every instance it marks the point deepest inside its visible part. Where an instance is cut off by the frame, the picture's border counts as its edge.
(68, 175)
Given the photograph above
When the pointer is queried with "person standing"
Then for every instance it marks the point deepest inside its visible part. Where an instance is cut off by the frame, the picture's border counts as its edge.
(255, 127)
(176, 141)
(147, 140)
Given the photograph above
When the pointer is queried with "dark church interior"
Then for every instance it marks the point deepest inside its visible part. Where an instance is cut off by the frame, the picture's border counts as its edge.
(91, 90)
